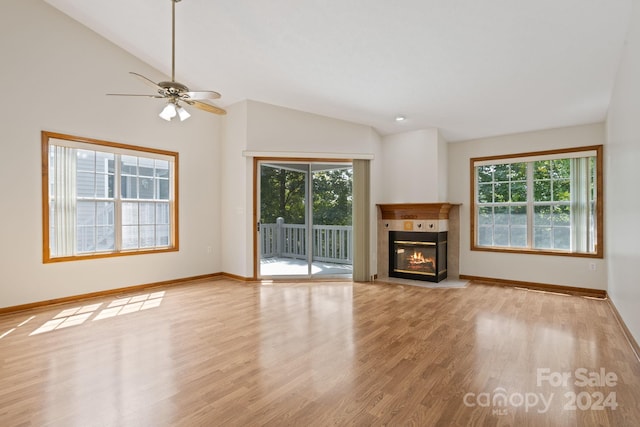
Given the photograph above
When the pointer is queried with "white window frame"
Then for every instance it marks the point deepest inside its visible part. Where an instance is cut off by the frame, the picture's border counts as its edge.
(60, 245)
(590, 245)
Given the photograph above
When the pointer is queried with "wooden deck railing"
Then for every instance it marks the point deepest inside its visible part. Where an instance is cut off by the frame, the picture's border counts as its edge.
(330, 243)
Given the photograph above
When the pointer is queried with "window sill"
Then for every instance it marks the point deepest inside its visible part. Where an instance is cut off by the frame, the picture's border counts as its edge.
(48, 260)
(537, 252)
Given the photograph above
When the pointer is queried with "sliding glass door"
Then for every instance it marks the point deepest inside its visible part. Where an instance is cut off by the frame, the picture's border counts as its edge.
(305, 219)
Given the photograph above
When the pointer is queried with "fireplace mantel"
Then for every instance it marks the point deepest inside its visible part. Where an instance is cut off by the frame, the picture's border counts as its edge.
(415, 210)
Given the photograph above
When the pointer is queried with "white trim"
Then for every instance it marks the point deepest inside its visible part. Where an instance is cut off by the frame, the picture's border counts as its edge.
(526, 159)
(307, 155)
(105, 148)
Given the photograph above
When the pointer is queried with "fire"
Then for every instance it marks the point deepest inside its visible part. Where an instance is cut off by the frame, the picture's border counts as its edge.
(417, 261)
(417, 258)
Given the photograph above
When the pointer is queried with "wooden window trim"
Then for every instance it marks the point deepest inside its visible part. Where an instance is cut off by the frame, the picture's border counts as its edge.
(599, 253)
(174, 205)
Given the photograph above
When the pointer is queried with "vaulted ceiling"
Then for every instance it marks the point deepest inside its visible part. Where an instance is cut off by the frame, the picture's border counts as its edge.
(472, 68)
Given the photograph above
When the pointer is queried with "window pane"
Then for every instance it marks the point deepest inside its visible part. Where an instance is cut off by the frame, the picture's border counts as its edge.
(104, 186)
(519, 237)
(145, 166)
(86, 160)
(85, 184)
(105, 162)
(129, 213)
(541, 170)
(163, 189)
(542, 191)
(562, 190)
(561, 169)
(162, 235)
(485, 236)
(485, 173)
(130, 237)
(146, 188)
(85, 226)
(104, 213)
(162, 168)
(518, 215)
(542, 215)
(485, 215)
(501, 192)
(542, 237)
(105, 238)
(162, 213)
(147, 236)
(519, 191)
(129, 165)
(561, 238)
(561, 215)
(85, 239)
(86, 213)
(501, 236)
(129, 187)
(485, 193)
(147, 213)
(501, 215)
(501, 172)
(518, 172)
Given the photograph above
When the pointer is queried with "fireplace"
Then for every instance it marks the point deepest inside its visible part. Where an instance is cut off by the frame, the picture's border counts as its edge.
(418, 255)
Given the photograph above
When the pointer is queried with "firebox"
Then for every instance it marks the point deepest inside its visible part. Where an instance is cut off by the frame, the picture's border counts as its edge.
(418, 255)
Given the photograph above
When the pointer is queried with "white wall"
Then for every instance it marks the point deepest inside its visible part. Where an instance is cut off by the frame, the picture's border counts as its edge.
(443, 169)
(273, 128)
(414, 167)
(555, 270)
(623, 180)
(260, 127)
(236, 209)
(55, 75)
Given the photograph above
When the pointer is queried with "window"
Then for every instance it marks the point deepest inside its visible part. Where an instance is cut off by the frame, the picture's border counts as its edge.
(105, 199)
(543, 202)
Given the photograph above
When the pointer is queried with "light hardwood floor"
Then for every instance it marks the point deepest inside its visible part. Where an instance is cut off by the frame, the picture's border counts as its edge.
(225, 353)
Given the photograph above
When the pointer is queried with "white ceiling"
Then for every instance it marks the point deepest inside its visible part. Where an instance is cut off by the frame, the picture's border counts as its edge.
(472, 68)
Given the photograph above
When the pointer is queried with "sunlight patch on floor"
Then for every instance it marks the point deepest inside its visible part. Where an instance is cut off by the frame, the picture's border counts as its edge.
(131, 305)
(13, 329)
(78, 315)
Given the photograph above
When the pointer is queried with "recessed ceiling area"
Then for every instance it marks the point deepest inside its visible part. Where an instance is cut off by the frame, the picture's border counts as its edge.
(470, 68)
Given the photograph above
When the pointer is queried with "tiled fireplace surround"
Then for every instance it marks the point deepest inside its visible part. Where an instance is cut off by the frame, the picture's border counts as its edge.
(421, 217)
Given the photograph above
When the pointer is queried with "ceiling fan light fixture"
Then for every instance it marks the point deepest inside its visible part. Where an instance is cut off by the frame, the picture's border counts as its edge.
(168, 112)
(183, 114)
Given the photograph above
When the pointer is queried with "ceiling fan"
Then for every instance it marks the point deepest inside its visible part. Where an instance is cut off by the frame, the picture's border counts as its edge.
(175, 92)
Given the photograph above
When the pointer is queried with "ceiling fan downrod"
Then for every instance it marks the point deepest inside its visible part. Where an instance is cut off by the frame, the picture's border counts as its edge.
(173, 39)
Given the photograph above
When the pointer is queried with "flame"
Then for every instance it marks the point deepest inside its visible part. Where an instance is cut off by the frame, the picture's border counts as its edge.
(417, 257)
(417, 261)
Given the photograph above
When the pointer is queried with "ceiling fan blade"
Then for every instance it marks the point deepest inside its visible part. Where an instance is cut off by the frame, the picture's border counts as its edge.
(206, 107)
(131, 94)
(147, 81)
(202, 94)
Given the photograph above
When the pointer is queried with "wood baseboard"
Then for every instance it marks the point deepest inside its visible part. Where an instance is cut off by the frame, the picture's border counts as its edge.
(569, 290)
(127, 289)
(627, 333)
(236, 277)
